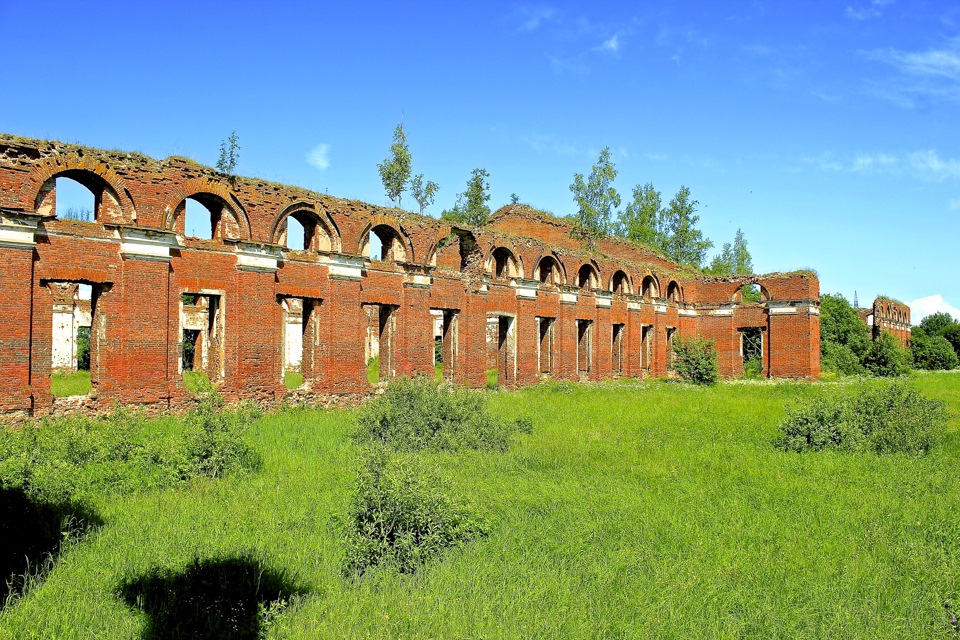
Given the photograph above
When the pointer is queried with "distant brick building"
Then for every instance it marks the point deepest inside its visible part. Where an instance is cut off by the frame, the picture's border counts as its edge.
(518, 295)
(890, 316)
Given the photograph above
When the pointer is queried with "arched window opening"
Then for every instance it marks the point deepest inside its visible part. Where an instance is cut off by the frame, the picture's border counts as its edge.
(304, 230)
(383, 243)
(295, 235)
(548, 271)
(198, 220)
(674, 294)
(620, 283)
(650, 288)
(207, 216)
(503, 264)
(74, 201)
(751, 294)
(587, 277)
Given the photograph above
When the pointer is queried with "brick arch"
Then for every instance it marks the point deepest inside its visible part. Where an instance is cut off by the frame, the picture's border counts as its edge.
(553, 256)
(202, 186)
(439, 240)
(322, 218)
(98, 172)
(511, 249)
(626, 279)
(674, 286)
(387, 220)
(765, 295)
(591, 265)
(650, 278)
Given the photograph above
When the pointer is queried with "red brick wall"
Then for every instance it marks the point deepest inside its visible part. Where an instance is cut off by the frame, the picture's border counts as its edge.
(137, 340)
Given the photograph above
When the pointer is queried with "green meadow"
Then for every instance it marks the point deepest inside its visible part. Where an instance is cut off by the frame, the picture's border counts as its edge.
(633, 510)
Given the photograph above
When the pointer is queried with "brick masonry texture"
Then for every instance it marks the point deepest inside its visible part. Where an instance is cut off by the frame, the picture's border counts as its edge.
(519, 295)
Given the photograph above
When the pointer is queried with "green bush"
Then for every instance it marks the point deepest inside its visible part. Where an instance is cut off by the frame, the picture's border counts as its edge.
(215, 438)
(885, 357)
(401, 516)
(932, 352)
(753, 368)
(68, 458)
(839, 358)
(83, 348)
(891, 417)
(695, 360)
(417, 413)
(844, 337)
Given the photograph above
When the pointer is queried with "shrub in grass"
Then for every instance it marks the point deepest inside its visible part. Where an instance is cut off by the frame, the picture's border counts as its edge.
(695, 360)
(888, 418)
(932, 352)
(753, 368)
(417, 413)
(401, 516)
(885, 357)
(68, 458)
(215, 438)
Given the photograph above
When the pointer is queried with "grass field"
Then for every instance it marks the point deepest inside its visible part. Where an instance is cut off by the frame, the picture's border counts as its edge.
(634, 510)
(70, 384)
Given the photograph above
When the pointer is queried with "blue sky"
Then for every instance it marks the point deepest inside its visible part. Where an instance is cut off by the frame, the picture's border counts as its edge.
(827, 131)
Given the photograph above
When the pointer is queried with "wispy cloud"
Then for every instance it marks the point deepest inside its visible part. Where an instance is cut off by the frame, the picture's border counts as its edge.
(932, 73)
(925, 165)
(319, 157)
(866, 12)
(611, 44)
(955, 204)
(544, 143)
(931, 164)
(923, 307)
(533, 17)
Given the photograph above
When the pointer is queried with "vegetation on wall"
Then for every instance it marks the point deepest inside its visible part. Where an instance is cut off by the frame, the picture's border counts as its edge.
(395, 169)
(473, 205)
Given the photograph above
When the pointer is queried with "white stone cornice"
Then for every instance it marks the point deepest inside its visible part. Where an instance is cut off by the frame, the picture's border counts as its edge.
(18, 230)
(525, 289)
(344, 267)
(252, 256)
(137, 243)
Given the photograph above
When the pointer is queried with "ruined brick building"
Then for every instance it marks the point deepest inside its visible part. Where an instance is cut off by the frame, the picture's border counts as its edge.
(888, 316)
(518, 295)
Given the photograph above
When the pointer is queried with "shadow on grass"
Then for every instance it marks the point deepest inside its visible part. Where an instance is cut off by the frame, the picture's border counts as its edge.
(32, 534)
(233, 598)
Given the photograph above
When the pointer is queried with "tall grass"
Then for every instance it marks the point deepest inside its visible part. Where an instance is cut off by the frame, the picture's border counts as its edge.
(633, 511)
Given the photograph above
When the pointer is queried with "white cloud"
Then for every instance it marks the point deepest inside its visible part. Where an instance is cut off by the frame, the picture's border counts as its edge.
(873, 10)
(923, 307)
(930, 163)
(551, 144)
(319, 157)
(925, 165)
(933, 73)
(612, 44)
(533, 17)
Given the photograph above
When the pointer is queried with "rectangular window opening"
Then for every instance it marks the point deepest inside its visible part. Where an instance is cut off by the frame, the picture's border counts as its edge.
(584, 345)
(617, 348)
(545, 328)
